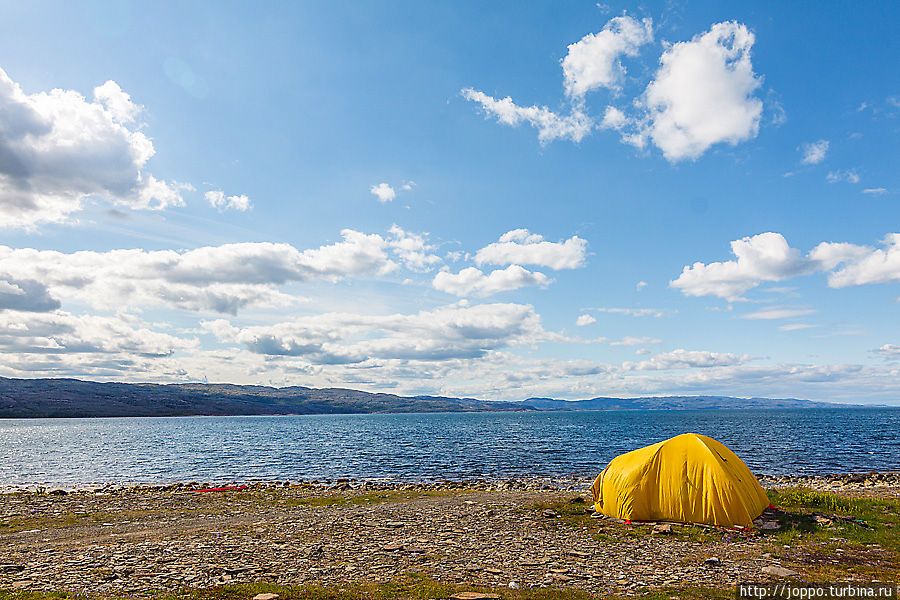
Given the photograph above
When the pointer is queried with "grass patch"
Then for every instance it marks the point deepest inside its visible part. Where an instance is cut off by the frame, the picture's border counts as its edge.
(865, 521)
(862, 538)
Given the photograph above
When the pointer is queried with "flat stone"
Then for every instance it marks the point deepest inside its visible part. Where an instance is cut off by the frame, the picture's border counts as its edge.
(662, 528)
(778, 571)
(265, 597)
(770, 525)
(395, 524)
(474, 596)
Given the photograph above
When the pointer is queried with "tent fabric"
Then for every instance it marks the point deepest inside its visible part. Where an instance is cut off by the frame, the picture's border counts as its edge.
(690, 478)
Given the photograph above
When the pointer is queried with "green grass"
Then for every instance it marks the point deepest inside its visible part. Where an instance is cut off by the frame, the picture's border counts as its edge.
(871, 520)
(408, 587)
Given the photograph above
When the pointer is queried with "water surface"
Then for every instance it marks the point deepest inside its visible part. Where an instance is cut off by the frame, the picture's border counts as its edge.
(72, 452)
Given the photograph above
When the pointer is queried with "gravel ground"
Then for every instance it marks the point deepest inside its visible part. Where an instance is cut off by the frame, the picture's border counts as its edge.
(133, 540)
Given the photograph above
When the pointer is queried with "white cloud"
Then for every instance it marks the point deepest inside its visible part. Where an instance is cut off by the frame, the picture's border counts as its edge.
(848, 176)
(383, 191)
(635, 341)
(614, 118)
(522, 247)
(63, 333)
(550, 125)
(593, 62)
(635, 312)
(583, 320)
(768, 257)
(445, 333)
(472, 281)
(875, 191)
(640, 285)
(117, 102)
(218, 200)
(778, 313)
(57, 149)
(796, 326)
(412, 249)
(703, 93)
(220, 278)
(762, 257)
(814, 152)
(861, 265)
(889, 350)
(687, 359)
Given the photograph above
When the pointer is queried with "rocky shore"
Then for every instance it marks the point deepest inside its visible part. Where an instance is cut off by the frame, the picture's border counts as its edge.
(513, 533)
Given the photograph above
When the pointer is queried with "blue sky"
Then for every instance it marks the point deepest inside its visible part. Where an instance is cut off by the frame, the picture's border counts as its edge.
(499, 201)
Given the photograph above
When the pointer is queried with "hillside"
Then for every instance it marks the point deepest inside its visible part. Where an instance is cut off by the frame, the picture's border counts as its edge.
(36, 398)
(42, 398)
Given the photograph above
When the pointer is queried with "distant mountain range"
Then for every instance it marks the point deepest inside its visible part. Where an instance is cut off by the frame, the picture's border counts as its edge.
(675, 403)
(42, 398)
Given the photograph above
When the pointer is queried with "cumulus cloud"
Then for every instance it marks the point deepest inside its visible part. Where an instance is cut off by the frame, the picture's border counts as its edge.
(63, 333)
(687, 359)
(814, 152)
(218, 200)
(768, 257)
(583, 320)
(472, 281)
(383, 191)
(222, 278)
(25, 295)
(550, 125)
(593, 62)
(445, 333)
(412, 249)
(703, 93)
(57, 149)
(861, 265)
(762, 257)
(522, 247)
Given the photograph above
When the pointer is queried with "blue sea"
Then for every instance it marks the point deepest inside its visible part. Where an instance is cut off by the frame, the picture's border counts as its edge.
(428, 447)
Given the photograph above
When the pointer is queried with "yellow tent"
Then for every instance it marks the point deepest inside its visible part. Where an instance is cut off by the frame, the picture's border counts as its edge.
(690, 478)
